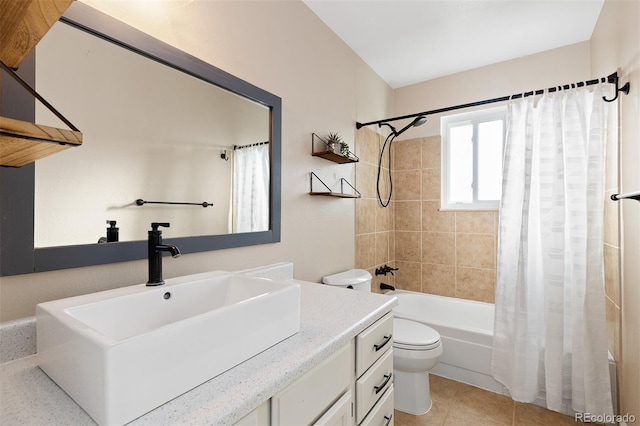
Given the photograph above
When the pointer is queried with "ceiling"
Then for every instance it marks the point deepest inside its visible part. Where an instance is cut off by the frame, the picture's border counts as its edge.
(409, 41)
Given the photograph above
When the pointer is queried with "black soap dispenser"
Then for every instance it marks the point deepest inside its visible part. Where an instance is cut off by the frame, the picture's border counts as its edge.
(112, 231)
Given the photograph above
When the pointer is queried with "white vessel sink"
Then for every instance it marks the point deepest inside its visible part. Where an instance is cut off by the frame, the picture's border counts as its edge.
(121, 353)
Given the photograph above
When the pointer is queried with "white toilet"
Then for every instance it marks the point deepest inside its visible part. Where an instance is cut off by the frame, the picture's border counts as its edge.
(416, 350)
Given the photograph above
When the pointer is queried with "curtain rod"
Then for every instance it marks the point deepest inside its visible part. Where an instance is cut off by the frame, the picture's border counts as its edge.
(141, 202)
(250, 145)
(612, 78)
(631, 195)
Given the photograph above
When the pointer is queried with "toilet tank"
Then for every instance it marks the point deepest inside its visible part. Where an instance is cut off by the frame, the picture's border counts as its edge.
(357, 279)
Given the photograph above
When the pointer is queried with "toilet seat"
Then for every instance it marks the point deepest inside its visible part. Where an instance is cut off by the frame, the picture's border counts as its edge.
(414, 336)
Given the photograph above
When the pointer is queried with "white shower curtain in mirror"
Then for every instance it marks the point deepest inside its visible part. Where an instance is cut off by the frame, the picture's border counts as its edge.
(550, 328)
(251, 189)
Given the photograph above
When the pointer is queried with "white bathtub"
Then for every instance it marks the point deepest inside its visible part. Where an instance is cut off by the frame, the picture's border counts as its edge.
(466, 330)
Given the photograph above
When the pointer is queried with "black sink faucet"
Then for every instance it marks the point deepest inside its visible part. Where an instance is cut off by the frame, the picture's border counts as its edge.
(155, 253)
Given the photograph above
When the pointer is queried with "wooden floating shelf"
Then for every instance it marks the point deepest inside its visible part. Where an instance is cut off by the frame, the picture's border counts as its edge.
(329, 192)
(335, 194)
(327, 153)
(23, 24)
(22, 142)
(336, 158)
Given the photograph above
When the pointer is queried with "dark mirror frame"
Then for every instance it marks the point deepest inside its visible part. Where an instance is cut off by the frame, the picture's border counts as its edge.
(17, 252)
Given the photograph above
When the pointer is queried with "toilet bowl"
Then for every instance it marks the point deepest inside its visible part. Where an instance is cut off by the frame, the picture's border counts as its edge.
(416, 350)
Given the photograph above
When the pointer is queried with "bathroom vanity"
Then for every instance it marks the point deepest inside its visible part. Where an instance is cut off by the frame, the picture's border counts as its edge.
(352, 386)
(325, 364)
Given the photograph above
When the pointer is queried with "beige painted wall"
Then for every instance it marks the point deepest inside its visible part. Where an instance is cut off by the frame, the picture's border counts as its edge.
(615, 45)
(558, 66)
(281, 47)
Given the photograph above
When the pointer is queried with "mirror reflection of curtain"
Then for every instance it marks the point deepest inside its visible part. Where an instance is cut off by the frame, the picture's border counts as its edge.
(251, 188)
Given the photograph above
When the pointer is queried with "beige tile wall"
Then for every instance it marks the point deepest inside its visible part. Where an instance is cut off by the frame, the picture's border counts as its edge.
(445, 253)
(375, 243)
(438, 252)
(612, 239)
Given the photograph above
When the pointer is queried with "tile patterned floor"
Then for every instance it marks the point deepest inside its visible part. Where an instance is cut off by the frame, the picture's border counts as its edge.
(459, 404)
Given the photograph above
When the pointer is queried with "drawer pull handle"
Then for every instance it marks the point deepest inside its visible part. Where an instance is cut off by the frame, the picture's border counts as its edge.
(386, 340)
(388, 419)
(381, 386)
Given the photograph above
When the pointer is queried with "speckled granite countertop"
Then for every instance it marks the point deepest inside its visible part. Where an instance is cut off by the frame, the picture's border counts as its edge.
(329, 318)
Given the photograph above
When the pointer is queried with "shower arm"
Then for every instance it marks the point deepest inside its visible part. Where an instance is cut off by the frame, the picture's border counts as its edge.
(418, 121)
(393, 129)
(407, 127)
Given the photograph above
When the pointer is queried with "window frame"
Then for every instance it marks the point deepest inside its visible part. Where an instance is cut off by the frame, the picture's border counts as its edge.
(474, 118)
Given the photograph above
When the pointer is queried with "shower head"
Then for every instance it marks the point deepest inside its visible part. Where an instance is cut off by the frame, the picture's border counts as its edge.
(419, 121)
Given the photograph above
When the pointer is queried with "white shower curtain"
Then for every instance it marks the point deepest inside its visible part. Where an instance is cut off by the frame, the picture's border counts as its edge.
(251, 189)
(550, 328)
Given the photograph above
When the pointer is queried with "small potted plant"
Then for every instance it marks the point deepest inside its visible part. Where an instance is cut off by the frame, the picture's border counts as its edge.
(337, 145)
(344, 149)
(334, 140)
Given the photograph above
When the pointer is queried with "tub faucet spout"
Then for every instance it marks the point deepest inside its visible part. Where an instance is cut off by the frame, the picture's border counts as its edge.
(385, 286)
(156, 248)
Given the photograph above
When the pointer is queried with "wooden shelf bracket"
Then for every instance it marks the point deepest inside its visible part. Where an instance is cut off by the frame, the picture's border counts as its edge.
(330, 193)
(21, 142)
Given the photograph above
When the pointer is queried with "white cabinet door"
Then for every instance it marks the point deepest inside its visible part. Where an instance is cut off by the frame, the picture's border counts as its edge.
(258, 417)
(340, 413)
(306, 399)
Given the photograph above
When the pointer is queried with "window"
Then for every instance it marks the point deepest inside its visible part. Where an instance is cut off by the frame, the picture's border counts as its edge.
(472, 145)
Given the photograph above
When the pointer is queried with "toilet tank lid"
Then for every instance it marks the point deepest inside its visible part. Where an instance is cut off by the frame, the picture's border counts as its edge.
(352, 276)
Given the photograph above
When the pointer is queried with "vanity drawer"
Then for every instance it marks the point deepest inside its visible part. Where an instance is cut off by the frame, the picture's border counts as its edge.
(382, 413)
(373, 342)
(373, 384)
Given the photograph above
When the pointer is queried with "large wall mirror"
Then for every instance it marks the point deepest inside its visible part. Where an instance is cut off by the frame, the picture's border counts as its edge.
(159, 126)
